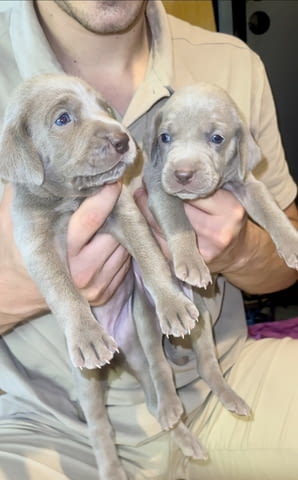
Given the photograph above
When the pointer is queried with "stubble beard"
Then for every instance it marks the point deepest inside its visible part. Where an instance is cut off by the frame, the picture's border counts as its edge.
(107, 16)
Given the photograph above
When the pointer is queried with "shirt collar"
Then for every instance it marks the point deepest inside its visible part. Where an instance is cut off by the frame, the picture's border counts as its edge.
(160, 71)
(30, 46)
(34, 56)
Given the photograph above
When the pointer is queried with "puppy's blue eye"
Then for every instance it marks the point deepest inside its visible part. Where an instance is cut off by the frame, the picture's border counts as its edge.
(64, 119)
(166, 138)
(217, 139)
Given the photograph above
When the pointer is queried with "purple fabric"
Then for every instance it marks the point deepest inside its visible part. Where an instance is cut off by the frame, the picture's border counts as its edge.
(279, 329)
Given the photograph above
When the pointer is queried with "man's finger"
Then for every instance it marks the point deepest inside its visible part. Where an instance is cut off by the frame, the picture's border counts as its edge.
(91, 215)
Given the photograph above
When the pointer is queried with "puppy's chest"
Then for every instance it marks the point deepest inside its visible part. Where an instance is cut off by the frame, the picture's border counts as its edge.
(68, 206)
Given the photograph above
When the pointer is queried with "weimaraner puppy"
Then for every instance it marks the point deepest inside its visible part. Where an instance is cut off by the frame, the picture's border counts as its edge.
(59, 145)
(200, 144)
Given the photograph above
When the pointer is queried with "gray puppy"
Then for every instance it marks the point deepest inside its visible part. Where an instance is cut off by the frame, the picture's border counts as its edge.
(200, 143)
(59, 145)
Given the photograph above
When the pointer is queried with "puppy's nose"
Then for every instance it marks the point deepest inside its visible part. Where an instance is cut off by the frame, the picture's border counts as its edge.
(120, 142)
(184, 176)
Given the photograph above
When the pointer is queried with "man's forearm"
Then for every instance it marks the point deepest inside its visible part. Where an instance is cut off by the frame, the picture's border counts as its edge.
(19, 299)
(259, 269)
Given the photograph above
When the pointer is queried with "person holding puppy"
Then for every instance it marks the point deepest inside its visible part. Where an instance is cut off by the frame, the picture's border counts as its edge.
(41, 429)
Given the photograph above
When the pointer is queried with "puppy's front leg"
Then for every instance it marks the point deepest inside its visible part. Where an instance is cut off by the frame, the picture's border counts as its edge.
(262, 208)
(88, 344)
(168, 210)
(177, 314)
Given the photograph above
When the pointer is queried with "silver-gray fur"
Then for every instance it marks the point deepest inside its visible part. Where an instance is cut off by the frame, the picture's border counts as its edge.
(200, 143)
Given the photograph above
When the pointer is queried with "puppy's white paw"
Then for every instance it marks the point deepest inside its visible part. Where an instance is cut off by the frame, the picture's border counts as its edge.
(235, 404)
(188, 443)
(90, 347)
(192, 270)
(169, 413)
(288, 249)
(291, 259)
(177, 314)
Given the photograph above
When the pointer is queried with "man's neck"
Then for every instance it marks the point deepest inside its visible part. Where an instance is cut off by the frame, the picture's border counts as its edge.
(113, 64)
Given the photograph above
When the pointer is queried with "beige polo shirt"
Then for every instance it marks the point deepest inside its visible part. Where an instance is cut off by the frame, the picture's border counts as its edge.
(34, 362)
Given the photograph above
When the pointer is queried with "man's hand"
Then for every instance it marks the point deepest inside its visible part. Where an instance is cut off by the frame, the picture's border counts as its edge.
(217, 220)
(97, 262)
(220, 223)
(230, 243)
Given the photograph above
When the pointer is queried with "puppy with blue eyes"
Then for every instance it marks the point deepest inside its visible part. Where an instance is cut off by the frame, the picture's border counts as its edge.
(60, 144)
(200, 143)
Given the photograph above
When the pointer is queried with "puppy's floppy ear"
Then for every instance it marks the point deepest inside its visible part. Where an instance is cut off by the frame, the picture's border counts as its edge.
(153, 148)
(19, 160)
(248, 152)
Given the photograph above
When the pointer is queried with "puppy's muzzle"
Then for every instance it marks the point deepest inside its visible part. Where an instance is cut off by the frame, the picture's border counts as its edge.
(120, 142)
(184, 176)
